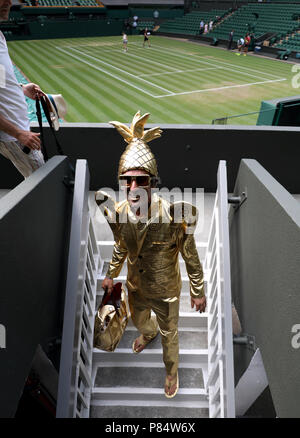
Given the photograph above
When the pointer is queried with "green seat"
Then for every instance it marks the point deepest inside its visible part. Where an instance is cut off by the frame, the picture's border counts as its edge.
(284, 54)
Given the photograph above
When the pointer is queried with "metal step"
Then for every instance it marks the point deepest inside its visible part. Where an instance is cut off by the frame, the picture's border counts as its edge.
(175, 411)
(188, 319)
(148, 377)
(134, 396)
(195, 357)
(189, 338)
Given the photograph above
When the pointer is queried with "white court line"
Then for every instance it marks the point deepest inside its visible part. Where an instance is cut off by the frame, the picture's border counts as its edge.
(217, 88)
(123, 71)
(205, 62)
(221, 88)
(167, 66)
(242, 66)
(106, 72)
(181, 71)
(147, 59)
(164, 95)
(210, 63)
(238, 66)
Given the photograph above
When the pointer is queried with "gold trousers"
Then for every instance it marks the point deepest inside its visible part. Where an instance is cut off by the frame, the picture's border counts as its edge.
(167, 315)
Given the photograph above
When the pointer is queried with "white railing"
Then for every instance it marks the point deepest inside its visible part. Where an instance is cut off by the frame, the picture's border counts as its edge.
(220, 381)
(75, 381)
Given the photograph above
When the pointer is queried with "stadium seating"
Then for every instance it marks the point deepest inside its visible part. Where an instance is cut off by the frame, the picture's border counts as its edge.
(164, 13)
(260, 18)
(283, 54)
(66, 3)
(292, 43)
(189, 24)
(143, 24)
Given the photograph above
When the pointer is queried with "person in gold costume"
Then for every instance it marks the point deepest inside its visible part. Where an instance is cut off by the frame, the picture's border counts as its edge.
(151, 232)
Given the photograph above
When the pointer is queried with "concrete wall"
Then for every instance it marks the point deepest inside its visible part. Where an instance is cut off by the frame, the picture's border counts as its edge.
(265, 260)
(34, 236)
(187, 155)
(69, 29)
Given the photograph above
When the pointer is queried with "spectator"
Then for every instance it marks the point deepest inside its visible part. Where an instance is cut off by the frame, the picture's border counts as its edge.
(205, 28)
(240, 45)
(246, 43)
(134, 22)
(211, 25)
(201, 27)
(230, 39)
(17, 142)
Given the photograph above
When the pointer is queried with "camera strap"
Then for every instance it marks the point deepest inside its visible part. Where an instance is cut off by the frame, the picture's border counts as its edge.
(43, 102)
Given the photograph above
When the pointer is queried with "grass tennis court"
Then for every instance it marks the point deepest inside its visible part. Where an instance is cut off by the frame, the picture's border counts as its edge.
(177, 81)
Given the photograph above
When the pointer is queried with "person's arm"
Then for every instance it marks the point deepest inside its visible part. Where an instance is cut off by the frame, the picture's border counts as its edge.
(108, 207)
(195, 272)
(188, 250)
(26, 138)
(118, 257)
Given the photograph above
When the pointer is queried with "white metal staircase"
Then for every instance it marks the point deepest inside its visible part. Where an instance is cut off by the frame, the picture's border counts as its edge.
(125, 382)
(94, 383)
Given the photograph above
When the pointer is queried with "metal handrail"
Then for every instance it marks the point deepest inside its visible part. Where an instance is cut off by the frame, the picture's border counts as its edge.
(220, 382)
(75, 373)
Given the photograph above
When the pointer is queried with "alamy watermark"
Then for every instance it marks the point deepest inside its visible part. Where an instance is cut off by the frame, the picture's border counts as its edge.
(182, 205)
(296, 338)
(2, 336)
(296, 77)
(2, 76)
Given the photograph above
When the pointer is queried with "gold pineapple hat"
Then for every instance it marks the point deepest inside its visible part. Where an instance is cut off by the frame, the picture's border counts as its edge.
(137, 154)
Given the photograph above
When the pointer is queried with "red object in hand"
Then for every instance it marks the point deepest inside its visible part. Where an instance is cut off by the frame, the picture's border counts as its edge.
(114, 298)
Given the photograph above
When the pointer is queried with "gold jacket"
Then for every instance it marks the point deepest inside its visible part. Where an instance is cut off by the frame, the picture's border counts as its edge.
(152, 247)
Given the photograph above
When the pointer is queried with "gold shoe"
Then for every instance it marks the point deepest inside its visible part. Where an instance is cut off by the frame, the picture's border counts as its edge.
(142, 342)
(169, 385)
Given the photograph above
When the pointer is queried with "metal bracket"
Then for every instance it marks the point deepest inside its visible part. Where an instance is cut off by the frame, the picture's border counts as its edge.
(237, 201)
(68, 182)
(54, 343)
(247, 340)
